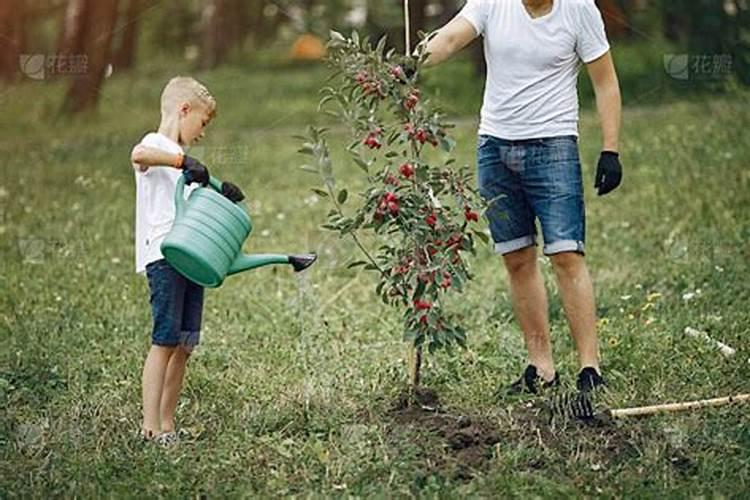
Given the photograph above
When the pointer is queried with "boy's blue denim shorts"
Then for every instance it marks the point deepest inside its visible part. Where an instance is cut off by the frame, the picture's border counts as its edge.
(176, 307)
(524, 180)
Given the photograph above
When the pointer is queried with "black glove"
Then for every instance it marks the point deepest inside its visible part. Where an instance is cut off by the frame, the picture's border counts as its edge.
(608, 172)
(194, 171)
(409, 64)
(232, 192)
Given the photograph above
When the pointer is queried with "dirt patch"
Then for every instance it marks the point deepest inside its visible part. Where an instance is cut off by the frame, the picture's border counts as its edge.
(599, 442)
(454, 443)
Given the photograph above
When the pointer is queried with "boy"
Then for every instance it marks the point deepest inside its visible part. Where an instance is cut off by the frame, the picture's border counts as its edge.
(176, 303)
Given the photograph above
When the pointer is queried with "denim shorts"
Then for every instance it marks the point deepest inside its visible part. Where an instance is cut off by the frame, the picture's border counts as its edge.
(176, 307)
(525, 180)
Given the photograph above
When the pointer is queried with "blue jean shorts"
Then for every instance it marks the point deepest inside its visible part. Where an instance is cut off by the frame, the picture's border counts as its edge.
(176, 307)
(525, 180)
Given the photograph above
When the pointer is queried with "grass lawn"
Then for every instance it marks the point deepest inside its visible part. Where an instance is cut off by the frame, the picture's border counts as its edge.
(293, 388)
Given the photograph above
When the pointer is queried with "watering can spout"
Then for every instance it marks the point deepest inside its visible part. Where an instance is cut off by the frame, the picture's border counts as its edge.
(244, 262)
(302, 262)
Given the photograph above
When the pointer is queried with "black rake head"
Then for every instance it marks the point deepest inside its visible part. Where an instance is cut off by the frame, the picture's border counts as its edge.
(572, 405)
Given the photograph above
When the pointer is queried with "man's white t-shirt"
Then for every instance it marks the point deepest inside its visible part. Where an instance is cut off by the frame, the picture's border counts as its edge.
(533, 63)
(154, 202)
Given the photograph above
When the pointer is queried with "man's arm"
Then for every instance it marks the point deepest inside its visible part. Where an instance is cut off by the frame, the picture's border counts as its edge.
(449, 39)
(608, 103)
(144, 157)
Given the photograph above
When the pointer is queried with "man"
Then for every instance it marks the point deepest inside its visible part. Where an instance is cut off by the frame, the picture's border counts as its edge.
(528, 158)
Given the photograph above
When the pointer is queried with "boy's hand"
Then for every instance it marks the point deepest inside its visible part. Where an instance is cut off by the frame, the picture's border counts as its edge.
(194, 171)
(232, 192)
(608, 172)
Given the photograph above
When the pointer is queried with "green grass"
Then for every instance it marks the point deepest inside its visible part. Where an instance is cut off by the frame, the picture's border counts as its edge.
(290, 390)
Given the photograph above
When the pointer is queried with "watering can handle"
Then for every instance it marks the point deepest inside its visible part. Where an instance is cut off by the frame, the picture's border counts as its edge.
(179, 193)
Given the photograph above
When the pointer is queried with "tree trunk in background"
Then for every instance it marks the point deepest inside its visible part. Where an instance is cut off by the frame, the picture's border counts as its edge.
(71, 38)
(450, 9)
(615, 20)
(96, 32)
(210, 34)
(417, 20)
(125, 55)
(477, 56)
(224, 25)
(12, 37)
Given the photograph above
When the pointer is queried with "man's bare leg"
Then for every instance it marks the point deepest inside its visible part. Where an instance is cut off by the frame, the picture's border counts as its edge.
(529, 299)
(577, 294)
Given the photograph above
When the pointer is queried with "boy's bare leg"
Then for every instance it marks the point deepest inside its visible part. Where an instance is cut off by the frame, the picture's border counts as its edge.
(154, 370)
(172, 387)
(577, 294)
(529, 299)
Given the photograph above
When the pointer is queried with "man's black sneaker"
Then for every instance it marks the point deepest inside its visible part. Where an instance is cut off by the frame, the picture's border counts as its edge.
(531, 383)
(589, 380)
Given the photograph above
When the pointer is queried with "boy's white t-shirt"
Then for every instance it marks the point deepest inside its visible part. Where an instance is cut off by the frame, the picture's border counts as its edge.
(532, 64)
(154, 202)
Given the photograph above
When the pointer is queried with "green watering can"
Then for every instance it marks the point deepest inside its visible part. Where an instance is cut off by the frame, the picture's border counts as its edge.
(205, 242)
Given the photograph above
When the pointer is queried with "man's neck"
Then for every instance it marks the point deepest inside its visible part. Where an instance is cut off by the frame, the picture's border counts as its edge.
(537, 8)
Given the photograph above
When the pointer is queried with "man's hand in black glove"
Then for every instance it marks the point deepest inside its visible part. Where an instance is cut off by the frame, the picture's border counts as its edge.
(194, 171)
(410, 65)
(608, 172)
(232, 192)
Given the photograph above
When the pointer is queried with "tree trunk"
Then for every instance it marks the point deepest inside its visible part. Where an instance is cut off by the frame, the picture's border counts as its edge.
(449, 10)
(12, 37)
(71, 36)
(125, 56)
(477, 57)
(222, 24)
(98, 25)
(416, 20)
(615, 19)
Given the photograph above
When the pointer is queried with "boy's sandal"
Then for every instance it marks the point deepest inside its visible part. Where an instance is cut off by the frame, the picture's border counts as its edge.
(167, 439)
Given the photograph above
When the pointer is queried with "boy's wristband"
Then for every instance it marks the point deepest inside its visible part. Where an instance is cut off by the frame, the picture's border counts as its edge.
(180, 159)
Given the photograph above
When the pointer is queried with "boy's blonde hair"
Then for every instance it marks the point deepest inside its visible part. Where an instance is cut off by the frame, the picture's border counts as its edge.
(185, 89)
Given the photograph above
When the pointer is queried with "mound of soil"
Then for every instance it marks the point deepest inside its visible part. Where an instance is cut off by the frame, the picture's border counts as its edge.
(458, 444)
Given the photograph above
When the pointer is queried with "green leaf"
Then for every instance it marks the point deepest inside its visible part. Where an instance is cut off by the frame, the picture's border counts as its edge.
(307, 149)
(381, 44)
(482, 236)
(356, 264)
(343, 195)
(335, 35)
(309, 168)
(447, 144)
(319, 192)
(361, 163)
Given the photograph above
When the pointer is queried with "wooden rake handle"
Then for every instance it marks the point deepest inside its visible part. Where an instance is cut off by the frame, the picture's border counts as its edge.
(672, 407)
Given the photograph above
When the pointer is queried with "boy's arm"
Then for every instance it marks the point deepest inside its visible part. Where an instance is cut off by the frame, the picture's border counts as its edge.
(449, 39)
(144, 157)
